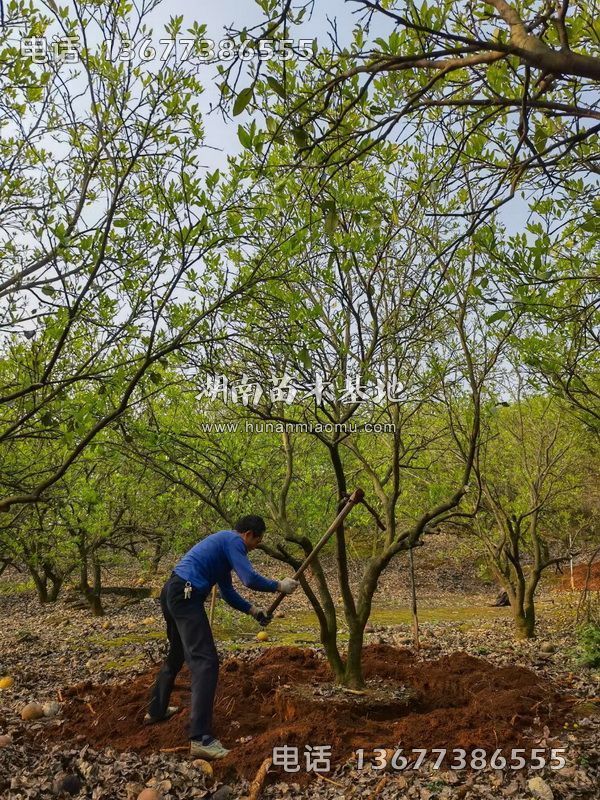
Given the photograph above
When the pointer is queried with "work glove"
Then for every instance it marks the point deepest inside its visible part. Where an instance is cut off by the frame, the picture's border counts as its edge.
(288, 585)
(260, 616)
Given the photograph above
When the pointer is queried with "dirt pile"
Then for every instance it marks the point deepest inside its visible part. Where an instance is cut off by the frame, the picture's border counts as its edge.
(456, 701)
(580, 576)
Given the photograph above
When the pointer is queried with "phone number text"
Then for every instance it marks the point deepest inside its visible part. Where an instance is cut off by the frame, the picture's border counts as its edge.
(68, 48)
(478, 758)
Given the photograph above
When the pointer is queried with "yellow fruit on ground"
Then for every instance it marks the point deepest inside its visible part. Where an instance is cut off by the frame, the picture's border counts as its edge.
(149, 794)
(262, 636)
(200, 763)
(6, 682)
(32, 711)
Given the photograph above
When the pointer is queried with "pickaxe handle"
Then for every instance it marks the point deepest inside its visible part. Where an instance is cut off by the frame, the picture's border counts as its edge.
(356, 496)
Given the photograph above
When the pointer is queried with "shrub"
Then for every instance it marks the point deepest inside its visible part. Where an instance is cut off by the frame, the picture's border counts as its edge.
(589, 645)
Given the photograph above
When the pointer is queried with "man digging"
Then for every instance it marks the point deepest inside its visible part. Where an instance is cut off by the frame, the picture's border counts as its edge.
(188, 630)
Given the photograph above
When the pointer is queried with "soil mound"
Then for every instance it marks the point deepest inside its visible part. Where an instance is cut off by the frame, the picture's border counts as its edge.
(580, 573)
(455, 701)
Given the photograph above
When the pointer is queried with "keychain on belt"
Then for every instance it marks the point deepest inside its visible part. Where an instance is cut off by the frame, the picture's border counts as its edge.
(187, 592)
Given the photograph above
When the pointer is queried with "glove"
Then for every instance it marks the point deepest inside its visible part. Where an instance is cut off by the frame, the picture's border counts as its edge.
(263, 619)
(260, 616)
(288, 585)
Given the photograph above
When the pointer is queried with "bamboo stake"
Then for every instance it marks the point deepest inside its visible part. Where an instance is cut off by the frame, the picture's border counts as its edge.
(413, 589)
(213, 600)
(356, 497)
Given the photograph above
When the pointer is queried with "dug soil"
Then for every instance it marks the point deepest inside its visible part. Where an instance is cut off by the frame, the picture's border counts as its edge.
(583, 574)
(456, 701)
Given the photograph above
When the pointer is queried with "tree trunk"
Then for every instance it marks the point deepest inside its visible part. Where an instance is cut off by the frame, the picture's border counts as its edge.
(328, 640)
(91, 595)
(156, 557)
(95, 600)
(57, 583)
(41, 585)
(353, 675)
(525, 622)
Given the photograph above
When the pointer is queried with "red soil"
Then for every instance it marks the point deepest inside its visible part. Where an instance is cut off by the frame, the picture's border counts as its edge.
(579, 577)
(460, 701)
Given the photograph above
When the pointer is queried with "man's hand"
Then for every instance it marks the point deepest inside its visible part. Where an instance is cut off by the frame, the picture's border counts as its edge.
(288, 585)
(260, 616)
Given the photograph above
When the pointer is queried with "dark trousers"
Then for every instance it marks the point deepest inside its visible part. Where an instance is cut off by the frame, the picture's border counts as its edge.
(190, 640)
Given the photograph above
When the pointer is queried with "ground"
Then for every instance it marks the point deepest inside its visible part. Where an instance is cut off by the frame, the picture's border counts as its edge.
(471, 685)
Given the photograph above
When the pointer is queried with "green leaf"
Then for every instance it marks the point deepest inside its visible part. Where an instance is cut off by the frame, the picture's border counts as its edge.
(277, 87)
(242, 100)
(304, 357)
(34, 93)
(496, 316)
(120, 223)
(331, 221)
(591, 225)
(244, 137)
(301, 137)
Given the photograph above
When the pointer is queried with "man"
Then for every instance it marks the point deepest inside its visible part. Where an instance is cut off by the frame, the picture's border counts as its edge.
(188, 629)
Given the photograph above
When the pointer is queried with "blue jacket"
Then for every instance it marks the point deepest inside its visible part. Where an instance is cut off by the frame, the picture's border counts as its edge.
(211, 561)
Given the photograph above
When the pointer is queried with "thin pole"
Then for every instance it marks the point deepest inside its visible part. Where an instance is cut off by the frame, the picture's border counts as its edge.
(413, 589)
(356, 496)
(213, 600)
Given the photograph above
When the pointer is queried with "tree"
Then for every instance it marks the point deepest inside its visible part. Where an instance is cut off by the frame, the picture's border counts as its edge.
(531, 476)
(115, 252)
(361, 307)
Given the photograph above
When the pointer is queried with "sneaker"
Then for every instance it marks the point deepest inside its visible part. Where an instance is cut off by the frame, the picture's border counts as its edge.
(210, 751)
(148, 720)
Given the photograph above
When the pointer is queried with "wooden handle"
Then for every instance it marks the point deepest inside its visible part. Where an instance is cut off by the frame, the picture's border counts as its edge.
(356, 496)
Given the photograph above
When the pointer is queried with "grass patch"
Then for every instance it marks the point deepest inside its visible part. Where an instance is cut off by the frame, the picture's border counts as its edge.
(123, 664)
(21, 587)
(125, 639)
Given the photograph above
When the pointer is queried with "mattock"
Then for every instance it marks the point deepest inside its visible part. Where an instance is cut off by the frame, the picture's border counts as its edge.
(356, 497)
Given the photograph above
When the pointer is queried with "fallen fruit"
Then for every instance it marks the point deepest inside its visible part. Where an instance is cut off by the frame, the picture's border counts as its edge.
(70, 784)
(262, 636)
(5, 740)
(32, 711)
(200, 763)
(149, 794)
(6, 682)
(540, 789)
(51, 708)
